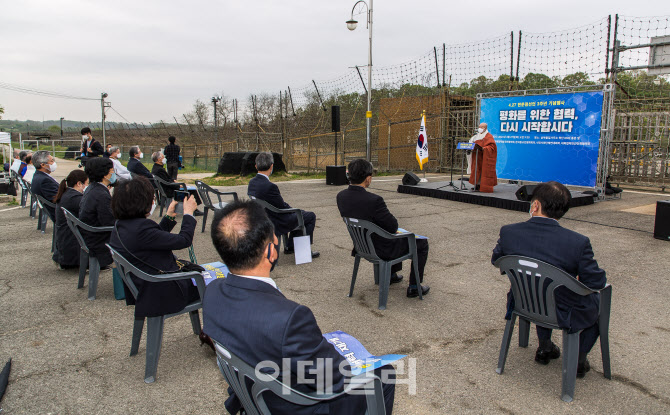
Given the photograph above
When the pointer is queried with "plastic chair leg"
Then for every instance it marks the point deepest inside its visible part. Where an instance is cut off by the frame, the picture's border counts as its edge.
(415, 265)
(376, 270)
(195, 321)
(204, 218)
(570, 357)
(384, 283)
(161, 206)
(504, 346)
(38, 216)
(44, 218)
(524, 332)
(93, 274)
(154, 340)
(138, 325)
(53, 238)
(357, 262)
(83, 264)
(604, 327)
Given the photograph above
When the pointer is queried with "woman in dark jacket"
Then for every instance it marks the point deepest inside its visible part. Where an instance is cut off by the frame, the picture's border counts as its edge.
(96, 207)
(148, 245)
(70, 192)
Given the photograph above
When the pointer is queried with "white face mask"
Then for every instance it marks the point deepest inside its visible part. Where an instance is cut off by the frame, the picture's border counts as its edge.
(162, 161)
(153, 207)
(52, 167)
(141, 155)
(84, 137)
(480, 130)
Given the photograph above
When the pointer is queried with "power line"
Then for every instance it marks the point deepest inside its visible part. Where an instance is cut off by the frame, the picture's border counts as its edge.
(49, 94)
(119, 114)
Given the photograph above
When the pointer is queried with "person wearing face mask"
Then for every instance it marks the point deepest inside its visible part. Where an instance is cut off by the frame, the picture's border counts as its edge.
(42, 183)
(121, 171)
(90, 146)
(148, 245)
(135, 165)
(96, 207)
(483, 159)
(159, 171)
(543, 238)
(70, 192)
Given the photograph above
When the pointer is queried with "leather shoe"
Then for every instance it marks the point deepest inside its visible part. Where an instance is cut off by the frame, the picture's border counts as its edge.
(204, 339)
(197, 213)
(316, 254)
(582, 368)
(543, 356)
(413, 292)
(395, 278)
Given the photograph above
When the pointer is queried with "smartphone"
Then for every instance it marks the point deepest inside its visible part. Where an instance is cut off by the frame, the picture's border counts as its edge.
(180, 195)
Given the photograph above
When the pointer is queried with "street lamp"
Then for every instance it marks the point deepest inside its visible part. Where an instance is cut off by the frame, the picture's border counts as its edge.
(104, 105)
(351, 25)
(215, 99)
(61, 129)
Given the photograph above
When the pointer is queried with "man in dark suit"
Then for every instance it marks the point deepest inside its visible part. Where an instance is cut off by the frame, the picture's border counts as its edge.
(135, 165)
(159, 171)
(90, 147)
(542, 238)
(43, 184)
(247, 313)
(262, 188)
(356, 202)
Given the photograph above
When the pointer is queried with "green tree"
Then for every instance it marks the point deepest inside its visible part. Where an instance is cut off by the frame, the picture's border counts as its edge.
(537, 81)
(577, 79)
(2, 111)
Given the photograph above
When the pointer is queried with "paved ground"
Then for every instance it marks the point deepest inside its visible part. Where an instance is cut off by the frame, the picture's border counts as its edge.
(71, 355)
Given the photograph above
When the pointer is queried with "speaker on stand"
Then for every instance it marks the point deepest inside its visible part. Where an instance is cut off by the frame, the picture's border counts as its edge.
(525, 193)
(410, 179)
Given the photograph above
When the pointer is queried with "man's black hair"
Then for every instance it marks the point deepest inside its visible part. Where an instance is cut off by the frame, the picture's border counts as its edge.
(359, 170)
(241, 232)
(554, 198)
(132, 198)
(85, 130)
(171, 139)
(97, 168)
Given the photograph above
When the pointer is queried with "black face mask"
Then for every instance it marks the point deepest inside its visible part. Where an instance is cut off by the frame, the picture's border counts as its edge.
(274, 263)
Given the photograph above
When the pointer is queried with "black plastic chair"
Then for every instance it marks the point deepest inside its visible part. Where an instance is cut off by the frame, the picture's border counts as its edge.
(33, 204)
(155, 324)
(85, 259)
(290, 211)
(22, 184)
(237, 372)
(44, 217)
(161, 185)
(204, 191)
(361, 232)
(533, 284)
(157, 195)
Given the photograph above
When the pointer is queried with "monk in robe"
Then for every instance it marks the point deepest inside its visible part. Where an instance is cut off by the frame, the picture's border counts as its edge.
(483, 161)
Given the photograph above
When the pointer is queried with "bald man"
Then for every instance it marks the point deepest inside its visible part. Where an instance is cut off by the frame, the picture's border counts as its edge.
(483, 159)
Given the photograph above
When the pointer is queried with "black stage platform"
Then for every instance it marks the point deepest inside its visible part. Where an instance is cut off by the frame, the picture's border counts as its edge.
(503, 195)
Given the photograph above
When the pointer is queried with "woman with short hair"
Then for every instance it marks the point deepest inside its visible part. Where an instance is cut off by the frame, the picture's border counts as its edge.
(70, 192)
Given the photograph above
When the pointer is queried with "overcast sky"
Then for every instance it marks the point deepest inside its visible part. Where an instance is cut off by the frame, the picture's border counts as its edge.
(155, 58)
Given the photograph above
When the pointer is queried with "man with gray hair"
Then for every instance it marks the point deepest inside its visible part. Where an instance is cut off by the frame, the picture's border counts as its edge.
(135, 165)
(159, 171)
(43, 184)
(119, 169)
(262, 188)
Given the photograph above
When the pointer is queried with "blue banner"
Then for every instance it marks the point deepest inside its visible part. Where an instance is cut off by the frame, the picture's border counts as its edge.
(546, 137)
(356, 354)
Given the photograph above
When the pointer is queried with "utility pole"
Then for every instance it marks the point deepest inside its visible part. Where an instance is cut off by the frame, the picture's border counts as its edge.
(103, 105)
(61, 130)
(216, 99)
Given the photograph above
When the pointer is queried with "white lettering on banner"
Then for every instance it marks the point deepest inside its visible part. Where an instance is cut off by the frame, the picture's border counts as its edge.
(509, 126)
(521, 115)
(503, 115)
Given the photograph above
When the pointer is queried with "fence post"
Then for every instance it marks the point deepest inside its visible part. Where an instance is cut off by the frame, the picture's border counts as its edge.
(388, 148)
(53, 148)
(309, 153)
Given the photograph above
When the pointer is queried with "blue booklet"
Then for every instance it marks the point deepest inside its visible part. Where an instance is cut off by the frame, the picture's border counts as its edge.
(359, 358)
(401, 231)
(213, 270)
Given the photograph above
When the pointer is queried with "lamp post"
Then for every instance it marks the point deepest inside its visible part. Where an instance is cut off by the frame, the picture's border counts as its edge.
(104, 105)
(61, 129)
(351, 25)
(216, 99)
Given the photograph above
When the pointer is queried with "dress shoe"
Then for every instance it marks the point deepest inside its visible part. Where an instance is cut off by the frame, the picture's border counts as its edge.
(107, 268)
(197, 213)
(582, 368)
(204, 339)
(413, 292)
(316, 254)
(542, 356)
(395, 278)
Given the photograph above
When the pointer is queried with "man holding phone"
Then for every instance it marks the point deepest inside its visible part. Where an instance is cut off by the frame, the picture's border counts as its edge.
(172, 189)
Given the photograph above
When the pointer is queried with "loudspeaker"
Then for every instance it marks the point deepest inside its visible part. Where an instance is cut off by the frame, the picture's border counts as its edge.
(410, 179)
(335, 118)
(336, 175)
(662, 222)
(525, 193)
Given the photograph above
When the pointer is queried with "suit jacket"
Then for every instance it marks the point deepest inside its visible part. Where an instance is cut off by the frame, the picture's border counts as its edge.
(545, 240)
(45, 186)
(159, 171)
(262, 188)
(257, 323)
(151, 245)
(357, 202)
(95, 209)
(67, 248)
(96, 148)
(135, 166)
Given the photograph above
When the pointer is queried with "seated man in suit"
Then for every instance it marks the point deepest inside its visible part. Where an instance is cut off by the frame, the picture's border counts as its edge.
(248, 314)
(262, 188)
(159, 171)
(356, 202)
(135, 165)
(542, 238)
(42, 183)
